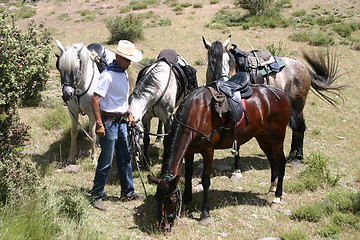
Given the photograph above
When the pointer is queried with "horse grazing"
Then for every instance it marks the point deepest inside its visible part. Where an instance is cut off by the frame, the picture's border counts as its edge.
(295, 79)
(79, 75)
(159, 89)
(197, 128)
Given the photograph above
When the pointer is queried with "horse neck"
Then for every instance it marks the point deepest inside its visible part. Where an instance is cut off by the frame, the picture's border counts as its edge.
(180, 137)
(219, 67)
(151, 88)
(89, 71)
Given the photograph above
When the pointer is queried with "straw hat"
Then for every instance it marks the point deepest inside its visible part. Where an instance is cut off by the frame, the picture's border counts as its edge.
(127, 50)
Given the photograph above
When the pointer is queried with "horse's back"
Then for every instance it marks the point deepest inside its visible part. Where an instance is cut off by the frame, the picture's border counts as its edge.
(268, 107)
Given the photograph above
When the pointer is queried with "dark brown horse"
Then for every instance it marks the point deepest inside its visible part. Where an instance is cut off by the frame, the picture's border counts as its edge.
(295, 79)
(197, 128)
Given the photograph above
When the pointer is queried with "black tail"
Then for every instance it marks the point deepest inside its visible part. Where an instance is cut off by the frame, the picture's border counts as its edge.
(324, 72)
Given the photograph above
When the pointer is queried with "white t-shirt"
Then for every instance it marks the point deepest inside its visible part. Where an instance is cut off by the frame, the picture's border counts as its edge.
(113, 87)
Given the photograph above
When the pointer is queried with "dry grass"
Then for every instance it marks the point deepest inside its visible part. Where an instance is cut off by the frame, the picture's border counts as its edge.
(239, 210)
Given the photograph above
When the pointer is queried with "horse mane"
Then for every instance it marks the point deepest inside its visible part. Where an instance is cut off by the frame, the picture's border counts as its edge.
(146, 84)
(172, 141)
(68, 63)
(215, 57)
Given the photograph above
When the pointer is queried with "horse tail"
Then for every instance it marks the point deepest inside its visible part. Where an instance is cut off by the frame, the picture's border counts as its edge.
(324, 71)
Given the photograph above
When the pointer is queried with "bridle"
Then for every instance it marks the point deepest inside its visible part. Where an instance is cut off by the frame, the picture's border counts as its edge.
(177, 193)
(75, 79)
(223, 73)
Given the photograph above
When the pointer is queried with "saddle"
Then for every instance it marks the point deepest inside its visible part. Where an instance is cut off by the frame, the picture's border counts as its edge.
(98, 54)
(259, 63)
(184, 73)
(228, 95)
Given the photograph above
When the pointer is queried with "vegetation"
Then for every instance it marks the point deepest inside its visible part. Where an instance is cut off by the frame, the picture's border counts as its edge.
(24, 61)
(315, 175)
(126, 28)
(340, 208)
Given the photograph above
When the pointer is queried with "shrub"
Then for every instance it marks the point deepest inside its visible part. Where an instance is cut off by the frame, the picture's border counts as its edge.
(315, 175)
(126, 28)
(257, 7)
(18, 175)
(24, 59)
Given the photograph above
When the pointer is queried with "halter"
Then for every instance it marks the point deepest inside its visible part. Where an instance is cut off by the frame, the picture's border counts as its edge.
(75, 82)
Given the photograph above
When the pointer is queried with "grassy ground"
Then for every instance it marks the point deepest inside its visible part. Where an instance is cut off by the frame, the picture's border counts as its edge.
(239, 210)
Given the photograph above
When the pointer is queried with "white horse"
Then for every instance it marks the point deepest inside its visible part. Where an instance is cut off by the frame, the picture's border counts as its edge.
(157, 93)
(79, 76)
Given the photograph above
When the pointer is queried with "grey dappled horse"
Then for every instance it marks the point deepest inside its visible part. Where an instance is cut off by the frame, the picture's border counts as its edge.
(295, 79)
(79, 75)
(157, 93)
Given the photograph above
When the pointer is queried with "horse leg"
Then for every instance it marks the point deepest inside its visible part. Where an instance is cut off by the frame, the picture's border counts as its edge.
(237, 175)
(297, 124)
(146, 141)
(275, 154)
(74, 134)
(205, 181)
(159, 131)
(189, 165)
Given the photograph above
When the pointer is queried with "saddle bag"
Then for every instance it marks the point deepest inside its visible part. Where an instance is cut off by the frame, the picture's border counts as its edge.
(219, 102)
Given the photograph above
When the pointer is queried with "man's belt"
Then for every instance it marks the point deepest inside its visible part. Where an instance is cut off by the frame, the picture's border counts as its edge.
(117, 117)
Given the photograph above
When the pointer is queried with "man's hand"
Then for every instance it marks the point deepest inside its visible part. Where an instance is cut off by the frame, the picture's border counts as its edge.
(100, 130)
(130, 119)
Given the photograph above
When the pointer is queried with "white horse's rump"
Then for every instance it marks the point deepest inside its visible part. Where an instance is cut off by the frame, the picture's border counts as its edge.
(79, 76)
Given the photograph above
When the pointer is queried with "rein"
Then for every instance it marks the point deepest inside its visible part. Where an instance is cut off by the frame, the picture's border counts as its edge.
(204, 137)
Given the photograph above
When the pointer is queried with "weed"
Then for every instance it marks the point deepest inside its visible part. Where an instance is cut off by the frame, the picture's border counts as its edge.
(295, 234)
(299, 13)
(277, 50)
(329, 231)
(310, 213)
(57, 119)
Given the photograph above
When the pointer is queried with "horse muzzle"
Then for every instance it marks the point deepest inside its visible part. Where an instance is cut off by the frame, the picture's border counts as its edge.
(68, 93)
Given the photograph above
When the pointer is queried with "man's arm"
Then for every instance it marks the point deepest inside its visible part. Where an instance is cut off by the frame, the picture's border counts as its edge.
(95, 104)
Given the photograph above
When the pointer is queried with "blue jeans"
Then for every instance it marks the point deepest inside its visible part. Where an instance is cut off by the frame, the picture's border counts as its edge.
(115, 140)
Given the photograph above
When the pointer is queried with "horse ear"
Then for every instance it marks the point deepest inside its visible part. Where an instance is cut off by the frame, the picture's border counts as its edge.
(60, 46)
(206, 43)
(227, 41)
(152, 179)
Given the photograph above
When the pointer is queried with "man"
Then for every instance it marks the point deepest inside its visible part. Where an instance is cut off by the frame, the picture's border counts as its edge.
(110, 106)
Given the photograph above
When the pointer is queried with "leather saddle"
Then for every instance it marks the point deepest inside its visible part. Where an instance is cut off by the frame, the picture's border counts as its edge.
(227, 95)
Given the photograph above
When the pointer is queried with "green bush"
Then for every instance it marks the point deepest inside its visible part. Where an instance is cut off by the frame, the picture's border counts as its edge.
(314, 39)
(24, 63)
(18, 175)
(316, 174)
(125, 28)
(258, 7)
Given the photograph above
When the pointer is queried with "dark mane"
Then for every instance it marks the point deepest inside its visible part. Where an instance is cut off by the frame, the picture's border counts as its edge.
(173, 139)
(215, 58)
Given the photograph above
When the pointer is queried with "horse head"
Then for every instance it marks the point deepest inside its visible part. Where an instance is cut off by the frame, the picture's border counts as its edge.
(69, 65)
(168, 197)
(221, 64)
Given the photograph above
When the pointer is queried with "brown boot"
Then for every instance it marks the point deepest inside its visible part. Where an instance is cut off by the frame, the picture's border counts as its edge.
(99, 204)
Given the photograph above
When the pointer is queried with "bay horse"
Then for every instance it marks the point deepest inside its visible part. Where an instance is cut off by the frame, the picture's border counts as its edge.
(79, 75)
(267, 117)
(295, 79)
(158, 91)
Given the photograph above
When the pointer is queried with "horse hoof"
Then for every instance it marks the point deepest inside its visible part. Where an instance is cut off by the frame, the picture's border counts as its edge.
(205, 221)
(236, 176)
(276, 200)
